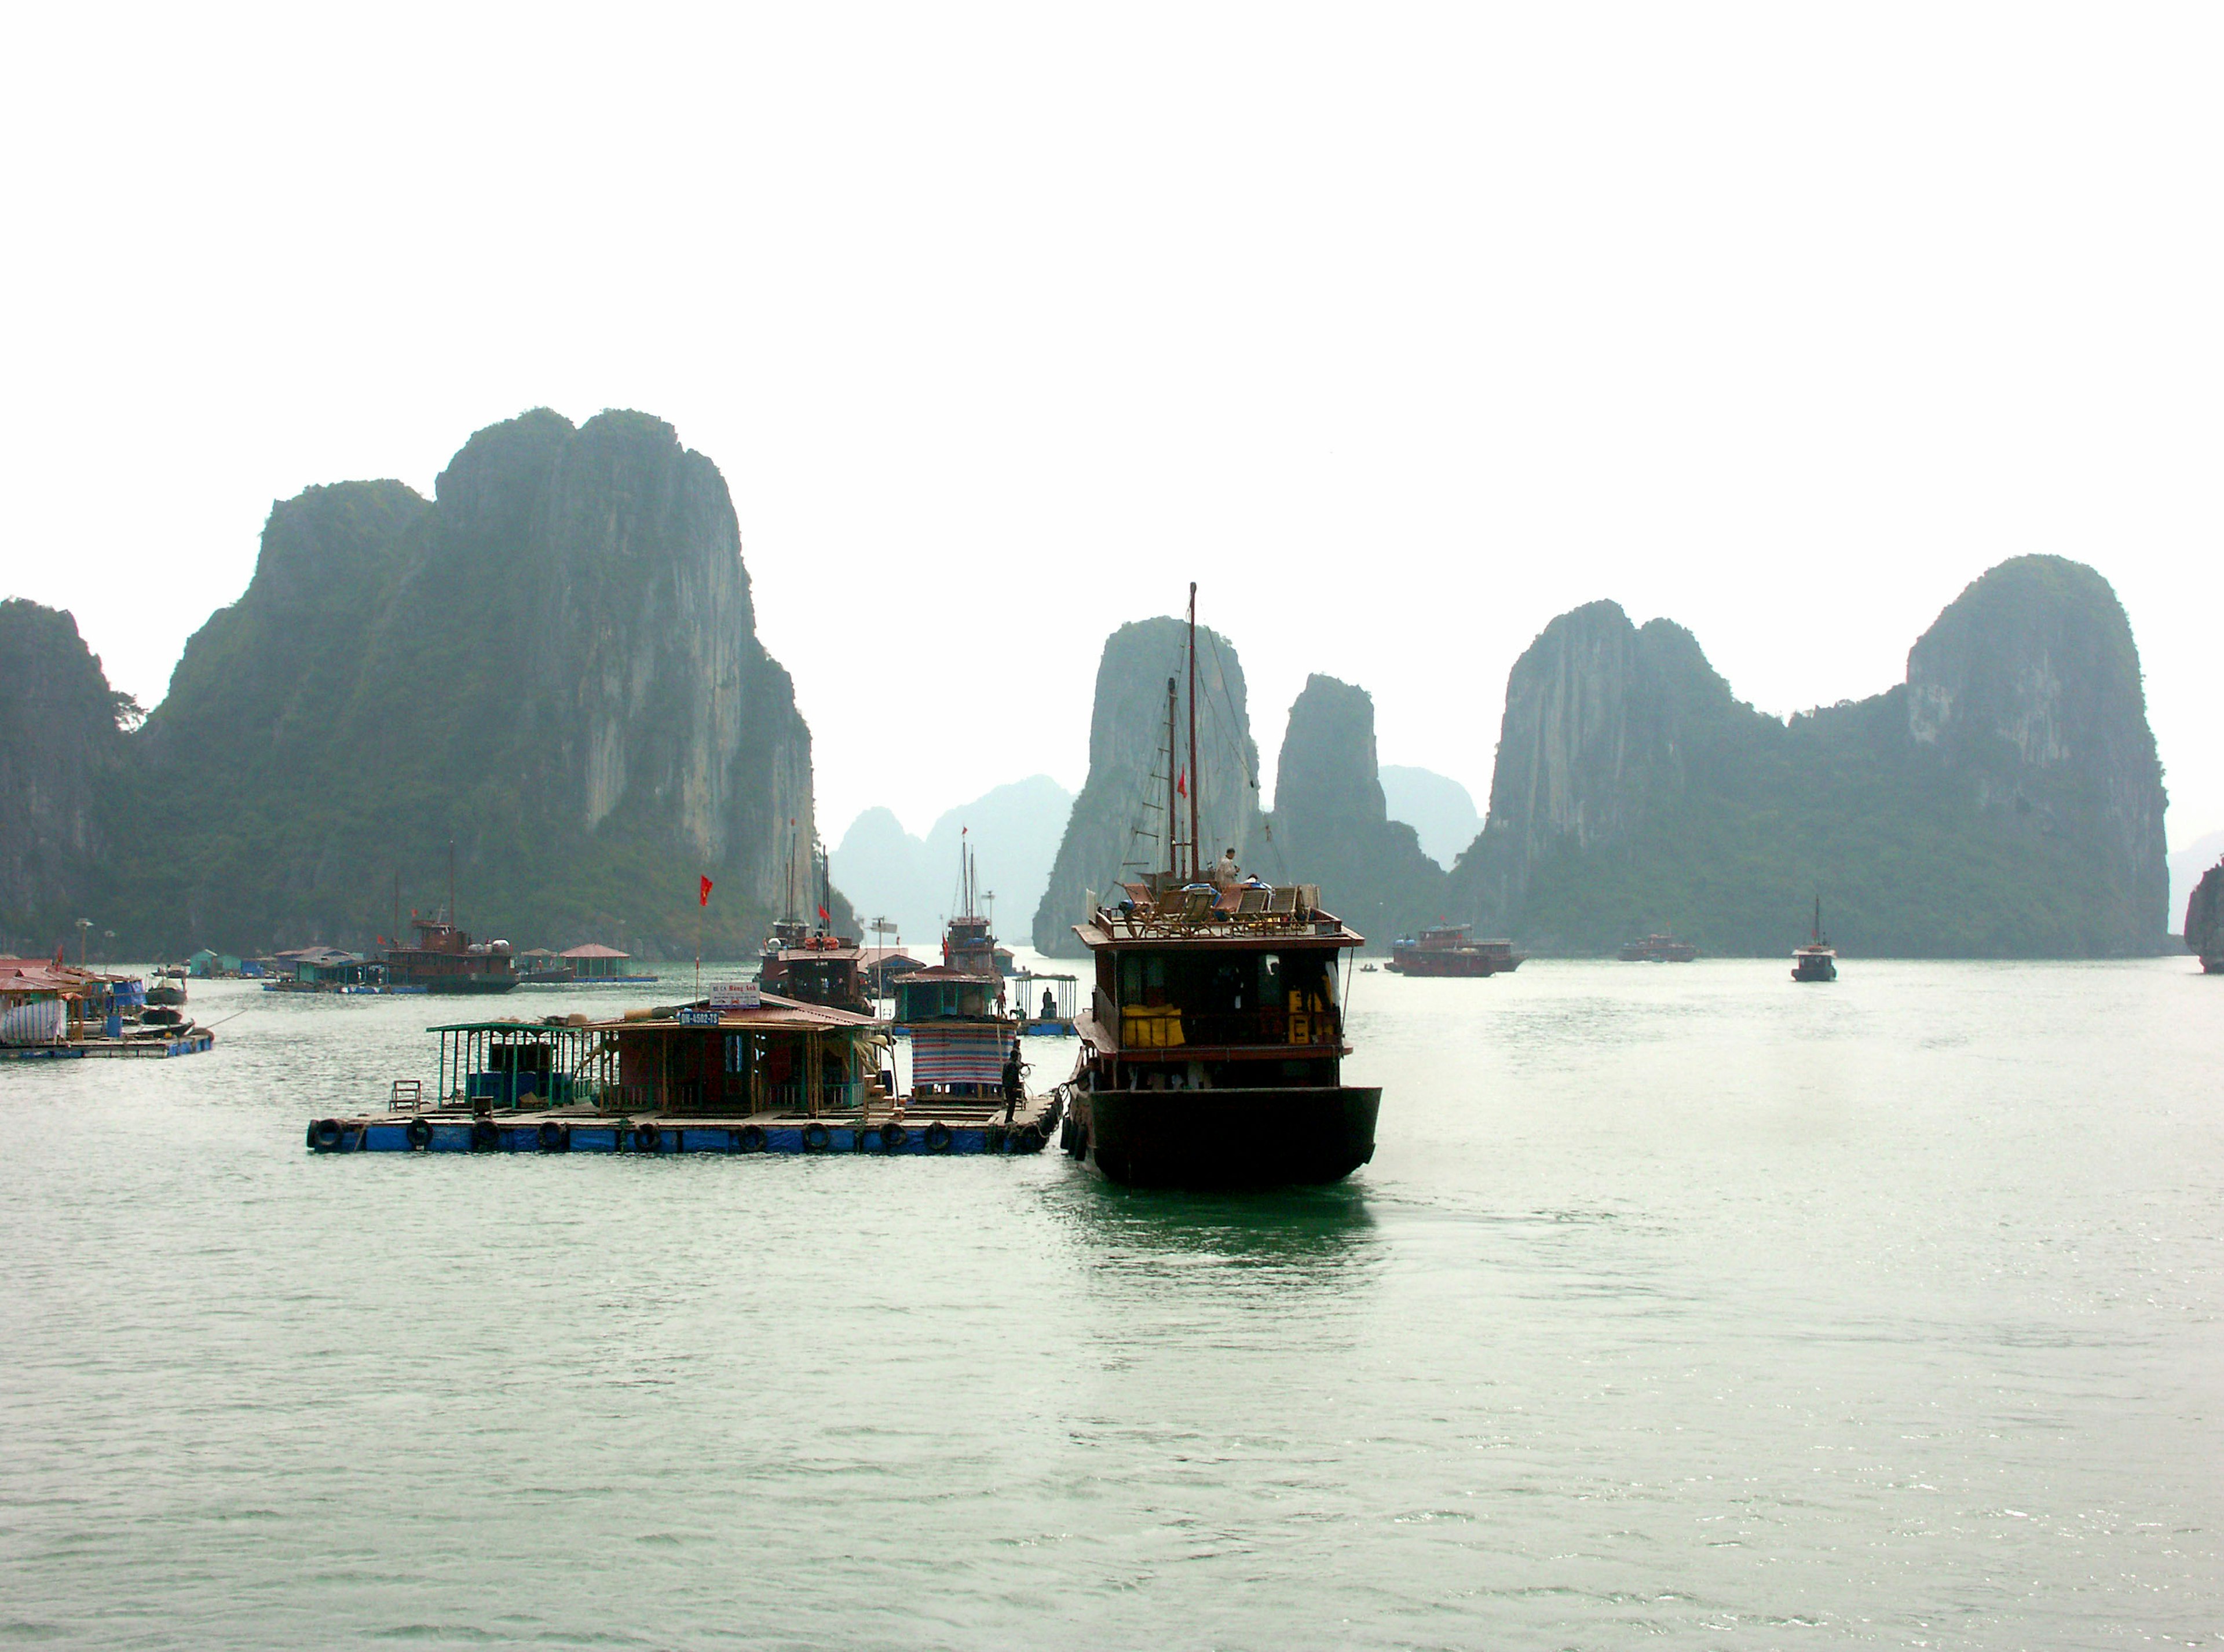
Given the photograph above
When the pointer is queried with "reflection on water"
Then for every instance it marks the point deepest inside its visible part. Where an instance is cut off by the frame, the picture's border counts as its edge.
(1303, 1235)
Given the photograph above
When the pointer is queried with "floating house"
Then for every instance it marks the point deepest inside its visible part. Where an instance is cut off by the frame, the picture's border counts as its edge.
(60, 1011)
(740, 1071)
(958, 1028)
(323, 969)
(602, 963)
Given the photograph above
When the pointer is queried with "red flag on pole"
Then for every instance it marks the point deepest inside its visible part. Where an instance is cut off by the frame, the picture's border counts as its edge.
(1181, 785)
(702, 898)
(822, 916)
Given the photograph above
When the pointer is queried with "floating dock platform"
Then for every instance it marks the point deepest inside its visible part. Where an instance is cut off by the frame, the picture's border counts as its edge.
(128, 1049)
(933, 1128)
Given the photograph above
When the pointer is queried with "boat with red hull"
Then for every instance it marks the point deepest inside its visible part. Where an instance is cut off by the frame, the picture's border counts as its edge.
(1451, 949)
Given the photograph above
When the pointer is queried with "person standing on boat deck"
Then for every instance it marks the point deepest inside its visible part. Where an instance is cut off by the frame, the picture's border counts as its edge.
(1225, 872)
(1049, 1005)
(1012, 1070)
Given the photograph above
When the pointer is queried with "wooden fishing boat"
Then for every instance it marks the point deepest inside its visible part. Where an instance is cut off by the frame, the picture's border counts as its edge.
(1658, 949)
(1212, 1049)
(446, 961)
(1452, 950)
(1817, 961)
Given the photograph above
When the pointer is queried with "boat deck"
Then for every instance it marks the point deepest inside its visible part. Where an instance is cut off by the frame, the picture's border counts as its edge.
(934, 1125)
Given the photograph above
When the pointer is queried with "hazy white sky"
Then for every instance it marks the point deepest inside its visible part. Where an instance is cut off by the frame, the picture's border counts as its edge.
(1401, 329)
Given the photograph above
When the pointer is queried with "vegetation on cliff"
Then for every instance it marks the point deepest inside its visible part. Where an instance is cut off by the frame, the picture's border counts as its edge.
(1117, 828)
(551, 663)
(59, 745)
(1330, 824)
(2005, 800)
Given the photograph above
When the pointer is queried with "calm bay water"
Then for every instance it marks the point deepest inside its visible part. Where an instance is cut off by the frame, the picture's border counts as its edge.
(1679, 1304)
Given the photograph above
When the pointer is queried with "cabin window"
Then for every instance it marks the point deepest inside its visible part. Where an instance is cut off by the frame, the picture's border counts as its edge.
(1143, 977)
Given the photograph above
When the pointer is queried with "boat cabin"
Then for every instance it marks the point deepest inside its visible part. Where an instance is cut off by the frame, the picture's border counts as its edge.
(824, 970)
(1195, 989)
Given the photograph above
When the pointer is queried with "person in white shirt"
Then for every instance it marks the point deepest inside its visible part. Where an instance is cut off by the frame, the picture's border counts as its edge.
(1225, 872)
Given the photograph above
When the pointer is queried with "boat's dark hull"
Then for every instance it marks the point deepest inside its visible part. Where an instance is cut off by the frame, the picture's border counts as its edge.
(1224, 1138)
(457, 986)
(1471, 965)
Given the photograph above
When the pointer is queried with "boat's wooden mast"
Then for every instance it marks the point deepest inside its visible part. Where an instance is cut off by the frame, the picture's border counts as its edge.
(1173, 820)
(1195, 780)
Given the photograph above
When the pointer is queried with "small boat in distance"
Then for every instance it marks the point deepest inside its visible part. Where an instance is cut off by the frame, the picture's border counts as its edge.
(1658, 949)
(1817, 961)
(1451, 949)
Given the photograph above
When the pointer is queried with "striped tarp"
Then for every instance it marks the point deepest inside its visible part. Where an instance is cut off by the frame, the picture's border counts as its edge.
(956, 1054)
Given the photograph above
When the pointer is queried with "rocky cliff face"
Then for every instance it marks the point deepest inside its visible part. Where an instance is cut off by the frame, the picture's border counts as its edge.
(1117, 825)
(2204, 920)
(58, 741)
(554, 662)
(2005, 800)
(1330, 824)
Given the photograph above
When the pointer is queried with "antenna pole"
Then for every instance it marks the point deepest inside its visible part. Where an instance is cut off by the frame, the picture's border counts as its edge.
(452, 883)
(1196, 783)
(1173, 828)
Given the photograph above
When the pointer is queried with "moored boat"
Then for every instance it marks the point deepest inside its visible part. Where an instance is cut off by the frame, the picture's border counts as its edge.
(1658, 949)
(447, 962)
(1212, 1047)
(1451, 949)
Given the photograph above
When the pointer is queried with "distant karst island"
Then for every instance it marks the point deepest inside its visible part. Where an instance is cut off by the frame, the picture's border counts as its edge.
(2005, 800)
(552, 664)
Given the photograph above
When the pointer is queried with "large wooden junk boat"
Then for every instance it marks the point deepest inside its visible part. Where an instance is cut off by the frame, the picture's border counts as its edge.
(1451, 949)
(446, 960)
(1212, 1049)
(1817, 961)
(1658, 949)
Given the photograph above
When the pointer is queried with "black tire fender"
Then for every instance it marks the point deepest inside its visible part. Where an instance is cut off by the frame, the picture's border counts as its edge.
(817, 1138)
(486, 1136)
(939, 1137)
(554, 1137)
(893, 1138)
(750, 1138)
(418, 1133)
(646, 1138)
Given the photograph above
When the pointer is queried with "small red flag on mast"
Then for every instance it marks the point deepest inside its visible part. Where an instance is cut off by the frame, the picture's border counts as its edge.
(1181, 785)
(702, 898)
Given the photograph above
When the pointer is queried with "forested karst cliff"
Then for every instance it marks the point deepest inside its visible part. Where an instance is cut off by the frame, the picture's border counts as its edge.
(1115, 830)
(2204, 919)
(1330, 825)
(58, 743)
(2005, 800)
(552, 662)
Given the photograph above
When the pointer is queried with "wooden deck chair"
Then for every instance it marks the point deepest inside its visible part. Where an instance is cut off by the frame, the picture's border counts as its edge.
(1197, 906)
